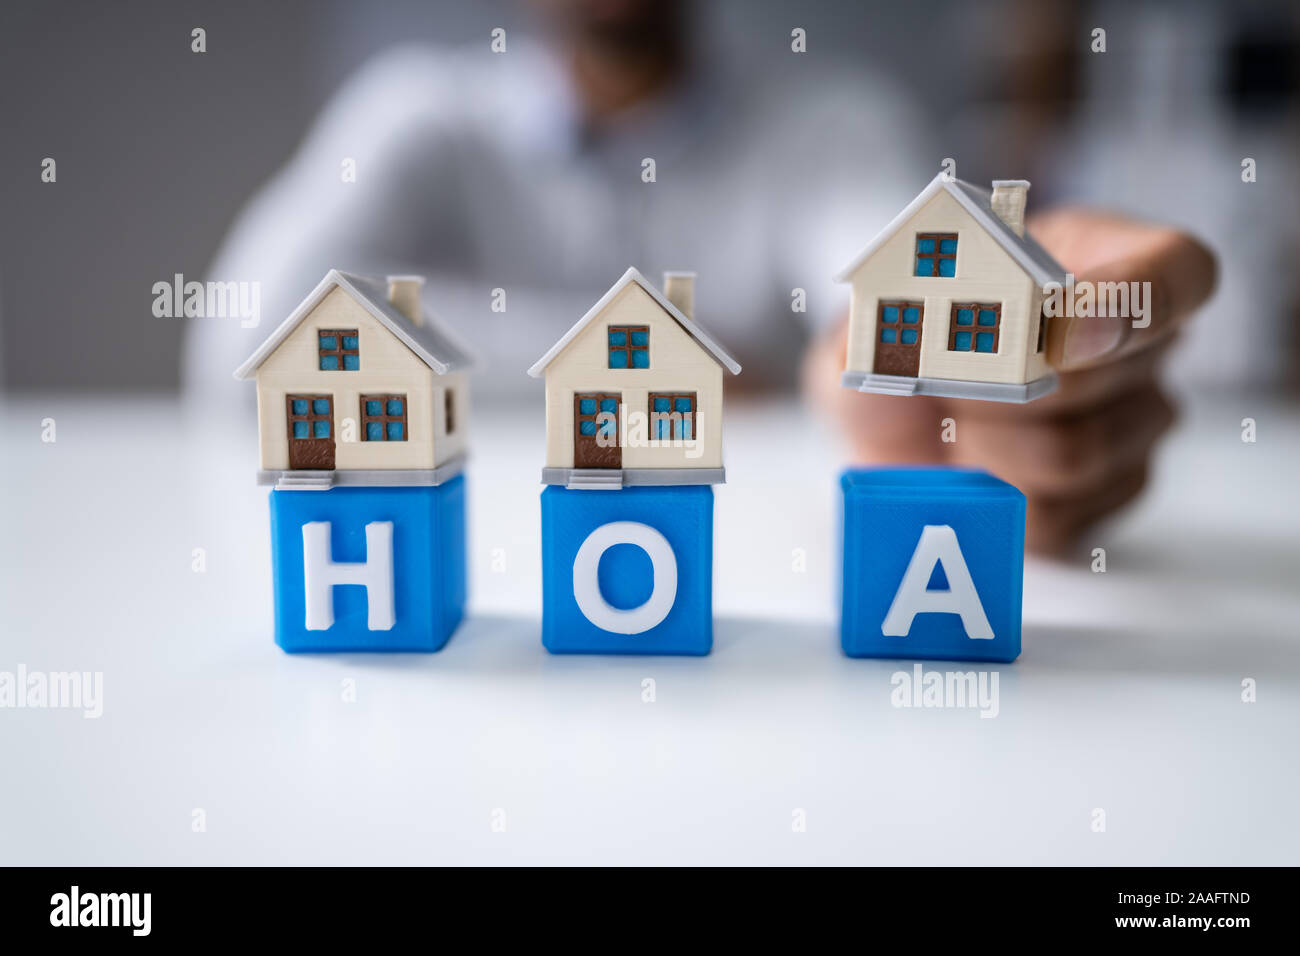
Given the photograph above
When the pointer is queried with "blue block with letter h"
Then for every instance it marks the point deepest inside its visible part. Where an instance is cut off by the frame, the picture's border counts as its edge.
(368, 568)
(627, 571)
(933, 564)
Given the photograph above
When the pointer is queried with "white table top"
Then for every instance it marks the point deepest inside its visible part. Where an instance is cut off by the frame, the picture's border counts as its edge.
(1127, 696)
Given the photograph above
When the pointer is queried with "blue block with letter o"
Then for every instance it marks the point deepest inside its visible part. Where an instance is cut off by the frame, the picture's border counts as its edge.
(933, 564)
(627, 571)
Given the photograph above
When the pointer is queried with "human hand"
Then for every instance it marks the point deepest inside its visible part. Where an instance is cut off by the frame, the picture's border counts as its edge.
(1084, 451)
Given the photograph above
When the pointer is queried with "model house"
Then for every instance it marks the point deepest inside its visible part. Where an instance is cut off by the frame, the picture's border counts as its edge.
(358, 386)
(948, 298)
(634, 391)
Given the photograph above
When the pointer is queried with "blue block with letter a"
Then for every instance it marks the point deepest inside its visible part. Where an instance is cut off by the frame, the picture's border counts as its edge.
(627, 571)
(933, 564)
(362, 568)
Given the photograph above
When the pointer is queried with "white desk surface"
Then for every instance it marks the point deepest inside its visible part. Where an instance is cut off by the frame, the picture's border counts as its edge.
(1127, 696)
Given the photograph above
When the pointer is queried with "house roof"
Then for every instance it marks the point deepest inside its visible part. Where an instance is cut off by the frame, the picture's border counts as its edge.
(976, 200)
(632, 275)
(430, 341)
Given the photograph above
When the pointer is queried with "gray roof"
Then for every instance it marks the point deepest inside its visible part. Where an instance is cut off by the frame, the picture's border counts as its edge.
(632, 275)
(976, 200)
(431, 341)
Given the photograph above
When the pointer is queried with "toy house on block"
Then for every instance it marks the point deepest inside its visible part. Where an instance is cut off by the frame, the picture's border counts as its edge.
(948, 298)
(362, 403)
(634, 391)
(633, 445)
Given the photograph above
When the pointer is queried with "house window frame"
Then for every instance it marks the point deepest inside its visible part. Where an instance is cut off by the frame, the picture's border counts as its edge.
(384, 418)
(898, 324)
(674, 425)
(936, 256)
(311, 416)
(1041, 346)
(339, 353)
(448, 411)
(975, 328)
(627, 348)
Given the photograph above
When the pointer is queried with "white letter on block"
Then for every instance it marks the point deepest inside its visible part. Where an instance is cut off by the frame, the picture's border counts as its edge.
(938, 544)
(320, 574)
(586, 579)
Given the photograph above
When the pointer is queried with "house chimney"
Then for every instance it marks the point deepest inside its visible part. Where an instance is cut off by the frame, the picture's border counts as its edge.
(1009, 202)
(679, 289)
(404, 295)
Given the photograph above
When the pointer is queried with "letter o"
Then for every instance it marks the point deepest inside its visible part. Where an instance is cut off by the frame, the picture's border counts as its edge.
(586, 578)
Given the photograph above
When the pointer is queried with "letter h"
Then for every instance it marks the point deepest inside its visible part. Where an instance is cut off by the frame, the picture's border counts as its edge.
(321, 574)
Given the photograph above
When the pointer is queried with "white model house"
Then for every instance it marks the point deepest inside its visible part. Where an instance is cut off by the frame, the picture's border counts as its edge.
(634, 391)
(948, 298)
(358, 386)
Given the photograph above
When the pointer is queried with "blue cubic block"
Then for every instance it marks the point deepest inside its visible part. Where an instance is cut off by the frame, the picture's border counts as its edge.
(363, 568)
(933, 564)
(627, 571)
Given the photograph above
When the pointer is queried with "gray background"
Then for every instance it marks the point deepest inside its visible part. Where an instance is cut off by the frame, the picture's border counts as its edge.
(158, 147)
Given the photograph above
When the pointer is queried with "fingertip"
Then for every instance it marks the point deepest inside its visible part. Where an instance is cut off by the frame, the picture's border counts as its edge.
(1088, 339)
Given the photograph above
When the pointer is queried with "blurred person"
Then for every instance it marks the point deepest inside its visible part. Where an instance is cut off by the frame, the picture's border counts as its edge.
(523, 171)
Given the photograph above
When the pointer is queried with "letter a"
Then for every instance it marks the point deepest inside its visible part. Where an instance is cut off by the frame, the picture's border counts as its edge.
(938, 544)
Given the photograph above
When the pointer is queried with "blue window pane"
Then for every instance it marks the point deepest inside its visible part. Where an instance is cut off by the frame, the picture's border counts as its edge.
(911, 315)
(641, 338)
(395, 431)
(988, 317)
(349, 341)
(374, 407)
(909, 336)
(965, 317)
(961, 342)
(662, 404)
(587, 428)
(395, 406)
(618, 338)
(661, 427)
(609, 405)
(924, 267)
(374, 431)
(983, 341)
(682, 405)
(299, 429)
(329, 363)
(640, 358)
(889, 336)
(587, 406)
(300, 406)
(320, 429)
(321, 406)
(329, 342)
(925, 247)
(685, 429)
(889, 314)
(617, 358)
(351, 362)
(948, 245)
(947, 268)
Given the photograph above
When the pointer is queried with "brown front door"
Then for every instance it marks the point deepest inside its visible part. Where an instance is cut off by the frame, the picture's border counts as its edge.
(898, 338)
(595, 430)
(311, 431)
